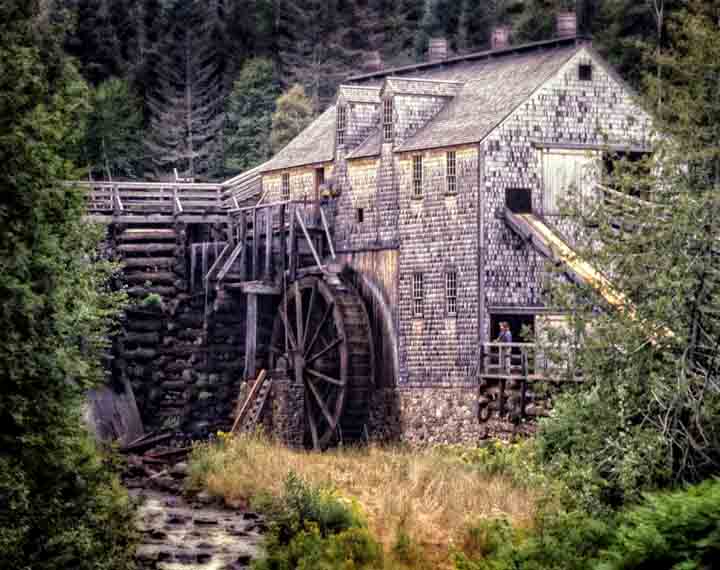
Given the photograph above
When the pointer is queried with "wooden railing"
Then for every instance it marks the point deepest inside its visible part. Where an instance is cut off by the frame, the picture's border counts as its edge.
(524, 361)
(144, 198)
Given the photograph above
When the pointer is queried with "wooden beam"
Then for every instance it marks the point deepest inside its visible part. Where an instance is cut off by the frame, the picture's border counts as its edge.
(259, 288)
(308, 239)
(255, 274)
(268, 243)
(241, 242)
(251, 320)
(327, 233)
(292, 253)
(283, 245)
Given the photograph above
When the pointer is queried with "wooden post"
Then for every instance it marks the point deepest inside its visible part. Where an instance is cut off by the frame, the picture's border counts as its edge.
(268, 243)
(523, 382)
(256, 246)
(292, 246)
(282, 245)
(251, 319)
(241, 242)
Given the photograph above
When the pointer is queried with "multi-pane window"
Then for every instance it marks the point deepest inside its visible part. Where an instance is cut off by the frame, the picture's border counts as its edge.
(286, 186)
(418, 295)
(341, 122)
(451, 293)
(360, 215)
(417, 176)
(451, 173)
(387, 120)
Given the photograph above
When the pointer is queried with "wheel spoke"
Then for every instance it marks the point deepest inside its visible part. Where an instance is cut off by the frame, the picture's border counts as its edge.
(309, 311)
(325, 377)
(288, 328)
(323, 407)
(298, 316)
(311, 421)
(325, 350)
(328, 310)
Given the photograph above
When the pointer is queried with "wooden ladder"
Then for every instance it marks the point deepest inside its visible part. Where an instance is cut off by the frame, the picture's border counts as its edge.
(252, 408)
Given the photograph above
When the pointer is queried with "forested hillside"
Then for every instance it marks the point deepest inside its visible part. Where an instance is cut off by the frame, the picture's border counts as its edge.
(172, 77)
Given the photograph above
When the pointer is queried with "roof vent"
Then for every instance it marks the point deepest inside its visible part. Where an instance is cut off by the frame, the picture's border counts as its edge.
(566, 24)
(500, 37)
(438, 49)
(372, 62)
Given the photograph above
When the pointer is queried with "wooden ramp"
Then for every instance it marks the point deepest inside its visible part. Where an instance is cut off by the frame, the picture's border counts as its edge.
(550, 244)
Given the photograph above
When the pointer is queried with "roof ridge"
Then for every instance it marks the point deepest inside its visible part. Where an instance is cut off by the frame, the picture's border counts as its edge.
(555, 42)
(398, 77)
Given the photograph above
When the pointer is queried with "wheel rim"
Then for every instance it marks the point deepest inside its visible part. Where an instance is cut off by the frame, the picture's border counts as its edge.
(310, 333)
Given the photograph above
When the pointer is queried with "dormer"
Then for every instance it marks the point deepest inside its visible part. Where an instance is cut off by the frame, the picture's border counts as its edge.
(410, 103)
(357, 114)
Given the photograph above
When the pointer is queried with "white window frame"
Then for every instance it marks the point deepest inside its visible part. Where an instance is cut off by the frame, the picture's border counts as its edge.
(418, 295)
(285, 186)
(451, 172)
(451, 289)
(417, 176)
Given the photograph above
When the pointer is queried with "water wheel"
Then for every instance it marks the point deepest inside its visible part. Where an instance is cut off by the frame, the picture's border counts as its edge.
(322, 329)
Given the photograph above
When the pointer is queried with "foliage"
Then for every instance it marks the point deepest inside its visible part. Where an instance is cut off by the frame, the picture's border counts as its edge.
(647, 414)
(54, 317)
(676, 530)
(293, 112)
(152, 300)
(249, 111)
(311, 527)
(114, 132)
(417, 502)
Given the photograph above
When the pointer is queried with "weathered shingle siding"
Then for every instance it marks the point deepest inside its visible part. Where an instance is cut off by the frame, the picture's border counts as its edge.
(302, 183)
(412, 112)
(438, 233)
(564, 111)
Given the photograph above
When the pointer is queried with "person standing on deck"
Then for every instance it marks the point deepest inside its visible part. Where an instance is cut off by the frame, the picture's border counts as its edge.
(505, 336)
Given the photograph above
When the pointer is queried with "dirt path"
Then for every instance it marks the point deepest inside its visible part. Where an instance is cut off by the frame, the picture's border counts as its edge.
(178, 535)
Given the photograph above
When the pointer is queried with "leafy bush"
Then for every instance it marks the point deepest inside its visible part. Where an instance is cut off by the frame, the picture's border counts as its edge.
(152, 300)
(679, 531)
(313, 528)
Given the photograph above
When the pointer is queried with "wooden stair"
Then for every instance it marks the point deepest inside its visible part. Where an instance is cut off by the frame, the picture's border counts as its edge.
(251, 411)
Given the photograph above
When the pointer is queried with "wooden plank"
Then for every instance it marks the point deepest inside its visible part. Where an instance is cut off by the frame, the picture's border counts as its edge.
(318, 262)
(250, 397)
(242, 238)
(255, 247)
(251, 320)
(259, 288)
(268, 243)
(283, 244)
(327, 233)
(292, 254)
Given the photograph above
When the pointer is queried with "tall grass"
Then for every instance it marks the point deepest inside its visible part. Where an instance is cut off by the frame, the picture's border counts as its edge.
(431, 497)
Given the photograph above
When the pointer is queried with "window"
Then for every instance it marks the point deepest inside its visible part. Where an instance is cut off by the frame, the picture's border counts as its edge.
(451, 293)
(360, 215)
(417, 177)
(585, 72)
(341, 121)
(387, 120)
(518, 200)
(319, 181)
(451, 173)
(418, 295)
(286, 186)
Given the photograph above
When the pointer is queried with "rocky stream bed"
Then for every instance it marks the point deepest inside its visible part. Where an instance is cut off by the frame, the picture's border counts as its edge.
(191, 533)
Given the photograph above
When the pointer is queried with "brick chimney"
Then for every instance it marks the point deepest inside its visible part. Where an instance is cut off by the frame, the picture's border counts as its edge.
(437, 49)
(372, 62)
(500, 37)
(566, 24)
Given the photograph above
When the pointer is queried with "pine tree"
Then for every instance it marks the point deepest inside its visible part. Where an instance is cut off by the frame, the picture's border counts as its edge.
(293, 113)
(114, 133)
(249, 111)
(186, 101)
(59, 506)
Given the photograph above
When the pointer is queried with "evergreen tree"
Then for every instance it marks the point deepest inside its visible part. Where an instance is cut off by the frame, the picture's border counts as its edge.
(59, 506)
(114, 134)
(293, 113)
(186, 100)
(249, 110)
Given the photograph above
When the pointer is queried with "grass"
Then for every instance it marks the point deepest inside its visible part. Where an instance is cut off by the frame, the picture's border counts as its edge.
(431, 497)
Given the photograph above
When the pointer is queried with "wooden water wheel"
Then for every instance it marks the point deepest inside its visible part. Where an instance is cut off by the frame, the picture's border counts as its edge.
(322, 329)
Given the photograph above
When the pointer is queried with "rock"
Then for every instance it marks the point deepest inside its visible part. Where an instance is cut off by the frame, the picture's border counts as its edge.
(179, 470)
(206, 519)
(250, 516)
(204, 498)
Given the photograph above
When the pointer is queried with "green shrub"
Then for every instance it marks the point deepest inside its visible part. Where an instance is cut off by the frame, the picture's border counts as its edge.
(312, 528)
(152, 300)
(678, 530)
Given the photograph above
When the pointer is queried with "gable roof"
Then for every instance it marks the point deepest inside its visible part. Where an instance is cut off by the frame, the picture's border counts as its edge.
(492, 90)
(313, 145)
(369, 147)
